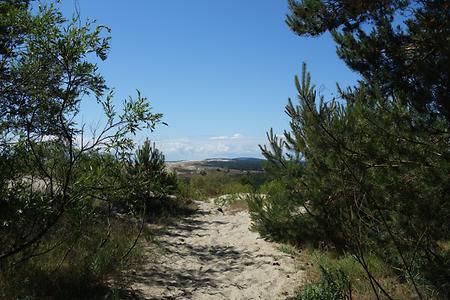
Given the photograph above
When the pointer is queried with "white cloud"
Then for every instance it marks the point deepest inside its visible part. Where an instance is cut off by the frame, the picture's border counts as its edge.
(235, 136)
(219, 146)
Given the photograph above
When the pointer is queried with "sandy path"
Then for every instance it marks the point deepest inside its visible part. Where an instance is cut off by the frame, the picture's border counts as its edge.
(211, 255)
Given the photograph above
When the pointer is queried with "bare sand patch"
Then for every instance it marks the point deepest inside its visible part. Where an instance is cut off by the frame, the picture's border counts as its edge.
(213, 255)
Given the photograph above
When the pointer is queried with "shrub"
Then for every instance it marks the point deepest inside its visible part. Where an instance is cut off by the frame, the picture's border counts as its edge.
(334, 285)
(79, 268)
(202, 187)
(150, 183)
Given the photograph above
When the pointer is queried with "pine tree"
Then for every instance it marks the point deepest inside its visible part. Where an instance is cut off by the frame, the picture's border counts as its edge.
(358, 176)
(400, 46)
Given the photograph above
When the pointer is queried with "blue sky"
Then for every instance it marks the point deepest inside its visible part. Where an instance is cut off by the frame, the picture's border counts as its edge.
(220, 71)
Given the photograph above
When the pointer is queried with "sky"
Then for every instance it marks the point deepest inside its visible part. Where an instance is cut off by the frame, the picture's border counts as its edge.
(220, 72)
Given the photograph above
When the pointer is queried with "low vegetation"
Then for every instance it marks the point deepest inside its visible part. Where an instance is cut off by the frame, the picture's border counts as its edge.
(204, 186)
(77, 267)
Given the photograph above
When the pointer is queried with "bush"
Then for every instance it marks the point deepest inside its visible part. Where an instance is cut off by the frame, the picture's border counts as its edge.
(202, 187)
(78, 268)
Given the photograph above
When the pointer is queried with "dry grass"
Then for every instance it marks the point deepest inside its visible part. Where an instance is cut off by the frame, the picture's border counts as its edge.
(310, 260)
(238, 206)
(78, 270)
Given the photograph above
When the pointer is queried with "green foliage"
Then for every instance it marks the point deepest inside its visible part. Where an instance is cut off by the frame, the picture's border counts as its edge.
(377, 160)
(399, 46)
(369, 175)
(356, 275)
(350, 266)
(288, 249)
(150, 183)
(334, 285)
(78, 268)
(150, 162)
(277, 215)
(61, 186)
(213, 185)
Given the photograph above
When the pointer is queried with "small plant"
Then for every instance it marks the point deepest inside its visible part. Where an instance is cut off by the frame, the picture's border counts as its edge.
(288, 249)
(334, 285)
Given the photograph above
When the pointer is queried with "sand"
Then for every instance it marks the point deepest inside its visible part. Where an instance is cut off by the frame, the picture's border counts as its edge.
(213, 255)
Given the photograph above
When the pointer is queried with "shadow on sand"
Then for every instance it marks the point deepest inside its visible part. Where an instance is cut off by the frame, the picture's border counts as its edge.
(215, 260)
